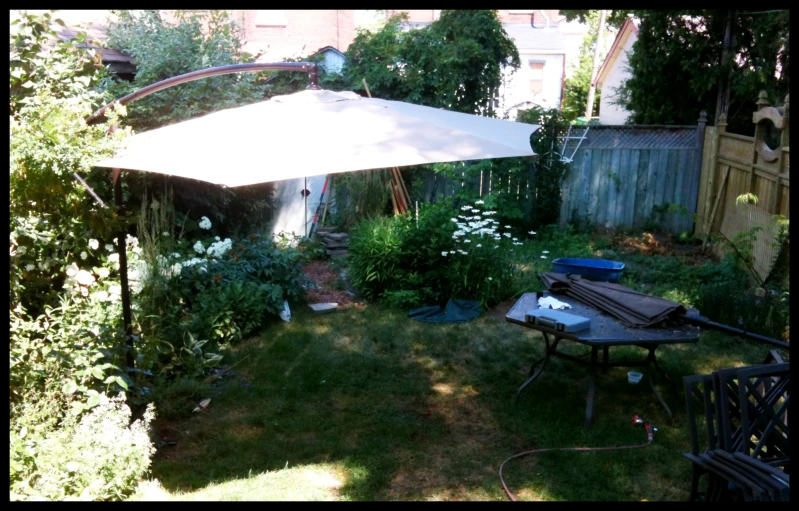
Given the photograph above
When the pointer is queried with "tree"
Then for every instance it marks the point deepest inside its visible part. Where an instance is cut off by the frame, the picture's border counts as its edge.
(676, 65)
(456, 62)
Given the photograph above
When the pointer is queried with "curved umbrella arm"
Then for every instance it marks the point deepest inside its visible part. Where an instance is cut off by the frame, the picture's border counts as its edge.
(311, 68)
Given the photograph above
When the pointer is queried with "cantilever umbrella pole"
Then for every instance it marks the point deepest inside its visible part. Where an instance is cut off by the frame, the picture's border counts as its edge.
(313, 77)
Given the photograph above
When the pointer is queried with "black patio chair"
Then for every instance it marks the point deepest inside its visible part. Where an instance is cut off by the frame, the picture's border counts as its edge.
(746, 445)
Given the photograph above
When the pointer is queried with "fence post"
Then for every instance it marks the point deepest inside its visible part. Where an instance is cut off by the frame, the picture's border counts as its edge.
(721, 128)
(760, 131)
(701, 126)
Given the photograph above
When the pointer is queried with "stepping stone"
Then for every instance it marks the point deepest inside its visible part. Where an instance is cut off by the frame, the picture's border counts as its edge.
(337, 253)
(323, 308)
(324, 230)
(334, 245)
(337, 236)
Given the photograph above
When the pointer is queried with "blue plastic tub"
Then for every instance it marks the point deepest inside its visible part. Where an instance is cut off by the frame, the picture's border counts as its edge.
(601, 270)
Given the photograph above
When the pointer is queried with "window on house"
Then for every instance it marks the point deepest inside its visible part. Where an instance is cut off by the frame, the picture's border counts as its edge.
(536, 76)
(270, 18)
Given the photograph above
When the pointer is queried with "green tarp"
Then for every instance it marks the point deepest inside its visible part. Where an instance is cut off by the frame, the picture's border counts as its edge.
(456, 311)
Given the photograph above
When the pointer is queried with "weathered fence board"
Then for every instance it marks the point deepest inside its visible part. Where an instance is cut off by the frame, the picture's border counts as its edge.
(626, 177)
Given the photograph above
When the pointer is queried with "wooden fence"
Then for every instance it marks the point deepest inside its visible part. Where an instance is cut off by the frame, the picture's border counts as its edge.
(734, 165)
(633, 177)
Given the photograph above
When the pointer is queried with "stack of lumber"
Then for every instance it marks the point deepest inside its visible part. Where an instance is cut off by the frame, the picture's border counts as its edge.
(336, 243)
(400, 198)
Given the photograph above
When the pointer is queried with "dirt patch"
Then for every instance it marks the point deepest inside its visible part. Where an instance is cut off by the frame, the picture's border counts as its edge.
(500, 310)
(328, 285)
(661, 244)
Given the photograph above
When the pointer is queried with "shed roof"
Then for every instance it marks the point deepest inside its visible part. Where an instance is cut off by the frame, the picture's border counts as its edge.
(628, 29)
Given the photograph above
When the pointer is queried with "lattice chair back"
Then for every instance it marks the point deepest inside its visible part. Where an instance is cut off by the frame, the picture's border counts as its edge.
(764, 419)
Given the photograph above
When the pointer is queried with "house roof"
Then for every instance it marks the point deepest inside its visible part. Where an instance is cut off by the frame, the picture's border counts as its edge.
(629, 28)
(328, 49)
(528, 39)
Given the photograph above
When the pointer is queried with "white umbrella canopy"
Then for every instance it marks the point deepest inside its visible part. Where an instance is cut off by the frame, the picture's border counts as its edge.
(316, 132)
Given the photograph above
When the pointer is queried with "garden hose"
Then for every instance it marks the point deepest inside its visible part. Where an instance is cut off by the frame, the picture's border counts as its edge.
(636, 420)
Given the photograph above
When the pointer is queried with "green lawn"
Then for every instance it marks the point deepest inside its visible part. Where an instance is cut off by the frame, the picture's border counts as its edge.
(368, 405)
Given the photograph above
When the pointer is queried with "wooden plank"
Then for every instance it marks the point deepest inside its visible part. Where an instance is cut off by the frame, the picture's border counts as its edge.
(593, 186)
(651, 184)
(622, 182)
(670, 172)
(679, 178)
(632, 189)
(611, 170)
(641, 189)
(719, 194)
(604, 191)
(660, 180)
(693, 191)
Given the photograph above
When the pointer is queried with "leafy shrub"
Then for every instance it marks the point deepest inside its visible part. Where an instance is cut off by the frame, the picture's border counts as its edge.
(101, 456)
(448, 253)
(197, 300)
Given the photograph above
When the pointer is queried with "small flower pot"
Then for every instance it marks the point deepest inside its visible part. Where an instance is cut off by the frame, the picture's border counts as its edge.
(634, 377)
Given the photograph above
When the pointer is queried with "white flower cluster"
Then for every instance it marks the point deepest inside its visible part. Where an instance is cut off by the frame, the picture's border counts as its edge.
(219, 248)
(78, 281)
(474, 227)
(205, 223)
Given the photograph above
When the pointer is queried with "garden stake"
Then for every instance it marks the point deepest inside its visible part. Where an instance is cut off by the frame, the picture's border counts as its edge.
(636, 420)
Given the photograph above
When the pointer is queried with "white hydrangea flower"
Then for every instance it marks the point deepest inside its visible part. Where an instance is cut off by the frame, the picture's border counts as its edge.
(30, 267)
(131, 241)
(84, 255)
(84, 291)
(114, 258)
(84, 278)
(101, 295)
(72, 270)
(199, 248)
(444, 253)
(103, 273)
(205, 223)
(174, 255)
(94, 244)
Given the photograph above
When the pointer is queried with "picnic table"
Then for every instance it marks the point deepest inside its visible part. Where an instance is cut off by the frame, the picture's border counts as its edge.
(605, 332)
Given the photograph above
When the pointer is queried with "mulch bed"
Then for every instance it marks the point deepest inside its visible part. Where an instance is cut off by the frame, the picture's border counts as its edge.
(324, 276)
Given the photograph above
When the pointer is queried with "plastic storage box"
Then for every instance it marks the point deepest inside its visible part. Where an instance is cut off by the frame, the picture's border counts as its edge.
(601, 270)
(557, 320)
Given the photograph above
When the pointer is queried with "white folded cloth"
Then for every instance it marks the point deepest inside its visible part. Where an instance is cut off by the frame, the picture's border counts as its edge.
(550, 302)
